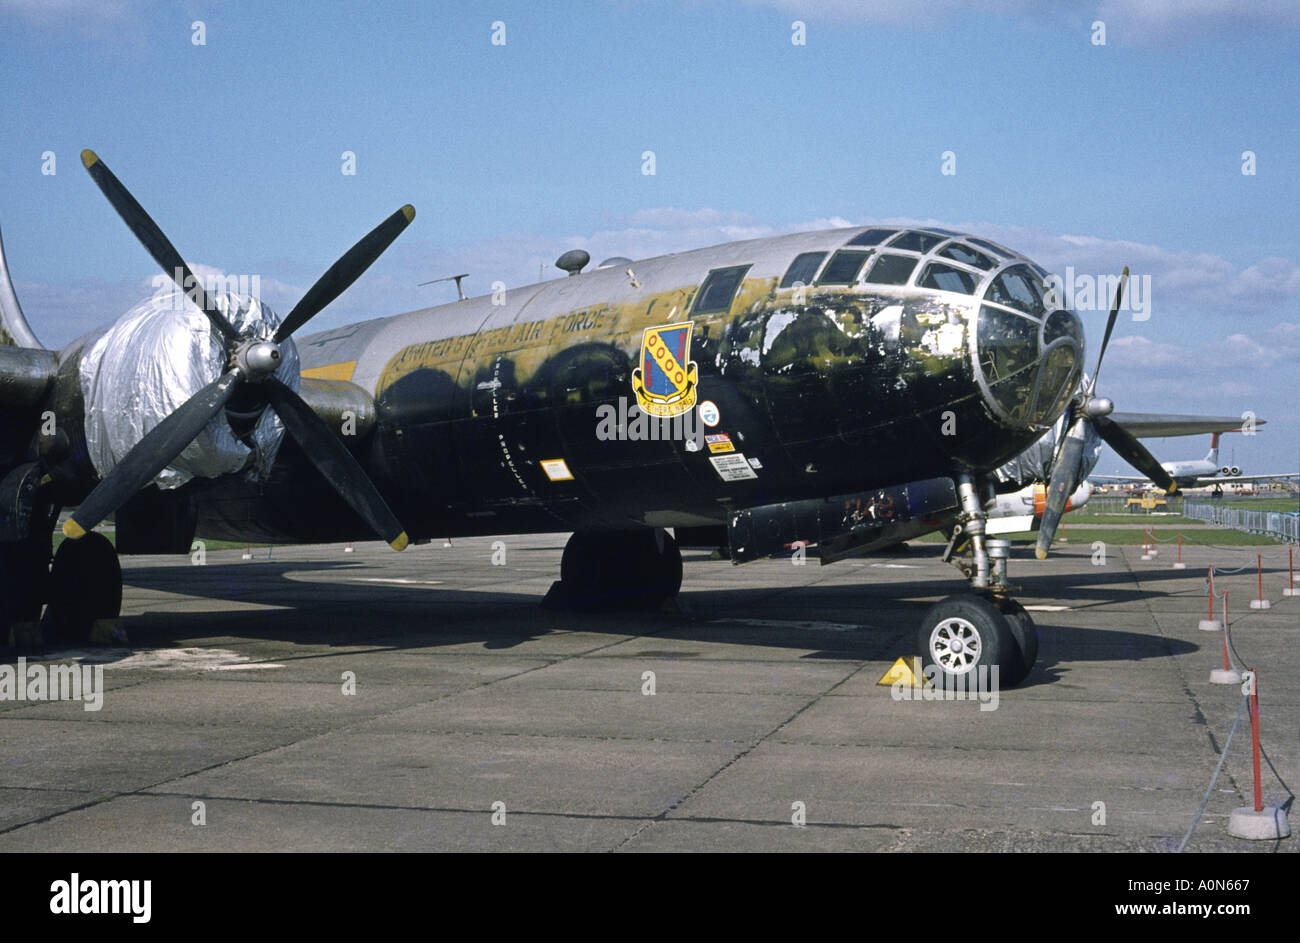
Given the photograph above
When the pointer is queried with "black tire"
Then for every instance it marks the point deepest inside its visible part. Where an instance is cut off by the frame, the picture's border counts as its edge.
(85, 585)
(1025, 634)
(622, 569)
(24, 581)
(961, 634)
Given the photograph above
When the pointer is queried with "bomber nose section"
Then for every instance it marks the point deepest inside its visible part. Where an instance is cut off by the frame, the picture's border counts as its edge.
(1029, 360)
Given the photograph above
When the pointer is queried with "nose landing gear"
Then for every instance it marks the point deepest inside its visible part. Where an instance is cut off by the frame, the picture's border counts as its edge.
(984, 628)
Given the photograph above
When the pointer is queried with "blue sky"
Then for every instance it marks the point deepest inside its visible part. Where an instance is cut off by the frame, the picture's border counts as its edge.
(1077, 154)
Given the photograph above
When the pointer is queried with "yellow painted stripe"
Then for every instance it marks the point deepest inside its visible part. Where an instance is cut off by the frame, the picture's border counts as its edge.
(332, 371)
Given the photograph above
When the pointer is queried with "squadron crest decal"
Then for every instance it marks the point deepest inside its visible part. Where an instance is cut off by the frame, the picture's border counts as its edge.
(665, 381)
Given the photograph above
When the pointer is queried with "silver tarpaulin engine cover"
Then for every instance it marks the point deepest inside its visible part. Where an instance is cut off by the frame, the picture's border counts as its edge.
(158, 355)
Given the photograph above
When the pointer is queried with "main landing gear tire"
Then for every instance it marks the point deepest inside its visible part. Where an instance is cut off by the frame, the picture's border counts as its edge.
(24, 581)
(85, 585)
(961, 634)
(619, 570)
(1024, 632)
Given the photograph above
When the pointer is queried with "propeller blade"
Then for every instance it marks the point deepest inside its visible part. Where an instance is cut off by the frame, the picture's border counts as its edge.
(152, 454)
(152, 238)
(1065, 477)
(334, 461)
(1134, 452)
(1110, 326)
(345, 271)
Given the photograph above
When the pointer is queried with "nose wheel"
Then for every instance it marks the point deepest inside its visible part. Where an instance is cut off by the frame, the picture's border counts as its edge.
(962, 634)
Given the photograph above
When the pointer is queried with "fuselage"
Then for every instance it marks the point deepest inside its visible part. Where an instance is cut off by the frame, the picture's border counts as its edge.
(826, 362)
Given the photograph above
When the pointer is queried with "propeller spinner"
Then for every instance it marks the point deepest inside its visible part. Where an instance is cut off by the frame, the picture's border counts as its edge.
(251, 363)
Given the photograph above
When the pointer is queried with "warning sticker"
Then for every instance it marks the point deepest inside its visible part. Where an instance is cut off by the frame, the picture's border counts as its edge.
(732, 467)
(557, 469)
(719, 442)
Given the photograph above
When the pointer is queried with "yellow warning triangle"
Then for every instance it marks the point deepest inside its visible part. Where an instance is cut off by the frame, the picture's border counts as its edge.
(902, 671)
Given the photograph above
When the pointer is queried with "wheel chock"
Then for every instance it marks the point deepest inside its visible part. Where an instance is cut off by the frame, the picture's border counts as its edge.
(900, 672)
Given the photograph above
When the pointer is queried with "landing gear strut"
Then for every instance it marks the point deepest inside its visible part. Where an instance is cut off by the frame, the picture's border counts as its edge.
(617, 570)
(985, 628)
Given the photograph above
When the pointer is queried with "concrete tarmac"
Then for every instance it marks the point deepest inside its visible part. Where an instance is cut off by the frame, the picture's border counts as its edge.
(481, 721)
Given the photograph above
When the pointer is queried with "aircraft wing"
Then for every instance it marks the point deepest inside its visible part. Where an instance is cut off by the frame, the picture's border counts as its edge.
(1159, 425)
(1229, 479)
(1203, 479)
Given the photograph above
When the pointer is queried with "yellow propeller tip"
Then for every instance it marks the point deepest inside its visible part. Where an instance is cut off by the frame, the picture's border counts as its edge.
(1040, 553)
(73, 530)
(1172, 488)
(89, 158)
(409, 212)
(399, 543)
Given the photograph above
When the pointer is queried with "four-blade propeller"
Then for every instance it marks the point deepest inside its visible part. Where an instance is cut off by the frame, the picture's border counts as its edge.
(1090, 410)
(251, 365)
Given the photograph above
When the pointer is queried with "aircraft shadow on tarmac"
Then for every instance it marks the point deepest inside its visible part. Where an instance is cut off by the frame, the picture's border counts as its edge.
(332, 610)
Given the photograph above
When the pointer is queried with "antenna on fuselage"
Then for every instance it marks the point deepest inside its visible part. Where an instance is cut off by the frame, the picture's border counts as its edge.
(446, 278)
(573, 261)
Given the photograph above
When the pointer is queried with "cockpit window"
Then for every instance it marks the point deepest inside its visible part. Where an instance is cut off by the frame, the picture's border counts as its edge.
(892, 270)
(916, 241)
(1018, 288)
(1062, 324)
(843, 268)
(802, 269)
(719, 289)
(960, 252)
(872, 237)
(946, 278)
(994, 247)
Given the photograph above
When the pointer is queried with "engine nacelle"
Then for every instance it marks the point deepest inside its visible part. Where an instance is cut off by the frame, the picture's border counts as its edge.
(1234, 471)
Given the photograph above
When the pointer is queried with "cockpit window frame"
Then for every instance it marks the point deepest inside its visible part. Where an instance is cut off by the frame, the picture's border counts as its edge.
(890, 258)
(863, 256)
(861, 239)
(697, 306)
(788, 282)
(927, 241)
